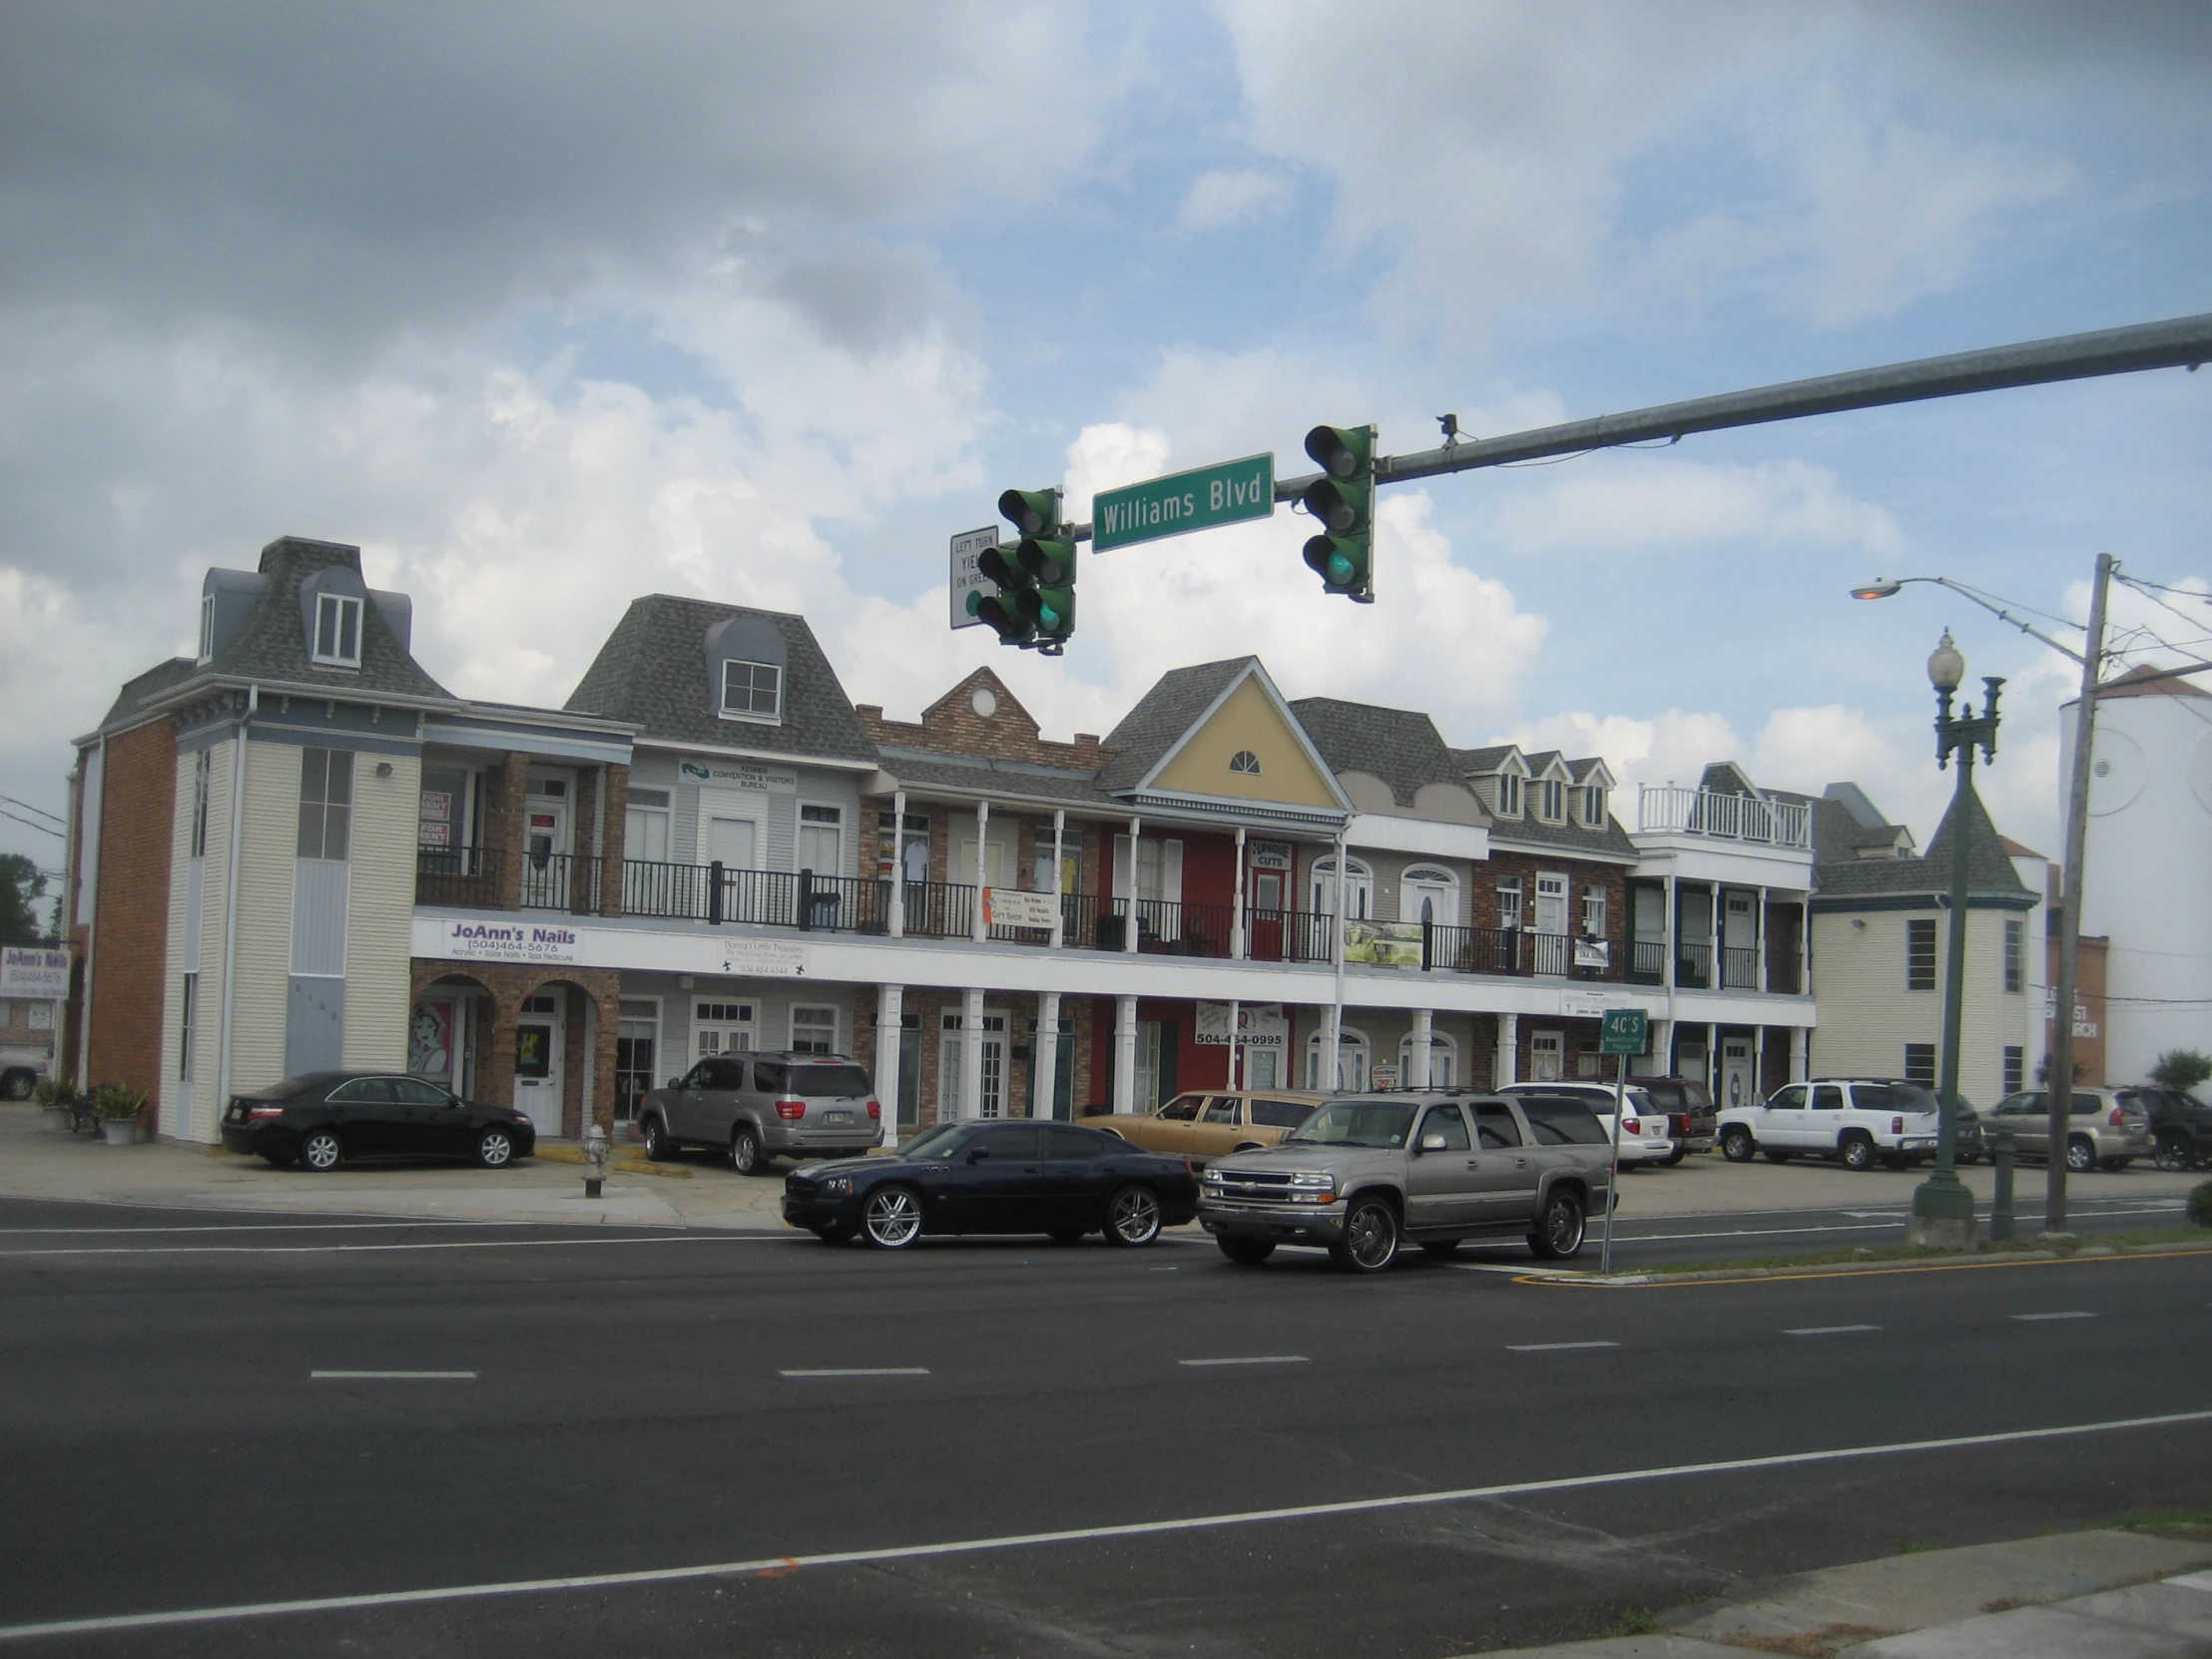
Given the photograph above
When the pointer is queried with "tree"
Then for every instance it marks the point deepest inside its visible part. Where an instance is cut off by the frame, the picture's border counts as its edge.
(2180, 1068)
(20, 887)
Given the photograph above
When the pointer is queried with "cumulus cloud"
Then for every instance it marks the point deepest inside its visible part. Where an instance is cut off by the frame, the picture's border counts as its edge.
(1226, 196)
(1631, 505)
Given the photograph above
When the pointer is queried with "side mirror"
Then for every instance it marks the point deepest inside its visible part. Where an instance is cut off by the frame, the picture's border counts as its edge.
(1433, 1143)
(978, 1155)
(675, 1082)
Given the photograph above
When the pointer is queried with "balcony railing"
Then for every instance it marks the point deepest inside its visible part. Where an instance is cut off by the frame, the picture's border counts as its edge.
(560, 882)
(1647, 961)
(1289, 935)
(1666, 809)
(1693, 965)
(1783, 979)
(1739, 969)
(465, 877)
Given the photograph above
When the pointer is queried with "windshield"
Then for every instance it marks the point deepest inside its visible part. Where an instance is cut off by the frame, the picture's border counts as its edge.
(826, 1082)
(934, 1144)
(1356, 1123)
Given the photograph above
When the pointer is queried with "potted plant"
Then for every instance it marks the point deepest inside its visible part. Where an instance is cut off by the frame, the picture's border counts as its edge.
(118, 1110)
(57, 1097)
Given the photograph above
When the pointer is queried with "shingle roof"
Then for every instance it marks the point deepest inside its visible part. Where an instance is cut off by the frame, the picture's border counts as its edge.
(1838, 834)
(1571, 836)
(653, 672)
(1988, 866)
(136, 693)
(271, 643)
(1400, 746)
(1483, 759)
(1173, 704)
(1003, 780)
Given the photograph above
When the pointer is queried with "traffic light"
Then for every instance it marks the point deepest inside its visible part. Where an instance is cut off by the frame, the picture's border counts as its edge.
(1034, 607)
(1343, 555)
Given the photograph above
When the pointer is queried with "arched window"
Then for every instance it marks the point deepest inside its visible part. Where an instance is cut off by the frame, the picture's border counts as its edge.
(1246, 762)
(1359, 890)
(1429, 893)
(1352, 1060)
(1443, 1061)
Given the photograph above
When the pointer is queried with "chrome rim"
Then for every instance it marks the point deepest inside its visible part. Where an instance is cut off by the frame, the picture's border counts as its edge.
(744, 1153)
(894, 1218)
(495, 1149)
(2173, 1155)
(1371, 1236)
(1136, 1215)
(2080, 1159)
(656, 1139)
(322, 1151)
(1858, 1154)
(1563, 1227)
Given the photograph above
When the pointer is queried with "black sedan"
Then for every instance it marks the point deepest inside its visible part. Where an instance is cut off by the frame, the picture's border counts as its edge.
(1051, 1178)
(324, 1118)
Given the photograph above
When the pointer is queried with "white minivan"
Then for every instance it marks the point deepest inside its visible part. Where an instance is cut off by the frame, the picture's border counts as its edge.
(1645, 1135)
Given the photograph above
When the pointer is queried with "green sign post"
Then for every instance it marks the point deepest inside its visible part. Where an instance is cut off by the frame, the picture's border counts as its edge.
(1228, 492)
(1627, 1032)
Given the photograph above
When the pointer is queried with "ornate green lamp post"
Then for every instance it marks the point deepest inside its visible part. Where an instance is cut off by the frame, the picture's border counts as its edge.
(1942, 1208)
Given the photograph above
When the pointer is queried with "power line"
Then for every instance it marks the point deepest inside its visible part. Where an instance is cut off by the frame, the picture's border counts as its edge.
(28, 808)
(33, 823)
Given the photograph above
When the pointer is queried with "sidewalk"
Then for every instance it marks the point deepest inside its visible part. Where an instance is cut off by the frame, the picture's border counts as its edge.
(2082, 1596)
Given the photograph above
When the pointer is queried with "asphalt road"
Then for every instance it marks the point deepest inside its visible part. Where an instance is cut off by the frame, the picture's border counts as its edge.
(630, 1404)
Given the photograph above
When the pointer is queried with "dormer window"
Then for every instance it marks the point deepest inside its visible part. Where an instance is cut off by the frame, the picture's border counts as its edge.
(1244, 761)
(337, 630)
(753, 690)
(1509, 795)
(1593, 806)
(207, 626)
(1552, 801)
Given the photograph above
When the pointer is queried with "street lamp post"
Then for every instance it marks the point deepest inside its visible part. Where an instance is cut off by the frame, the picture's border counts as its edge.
(1942, 1208)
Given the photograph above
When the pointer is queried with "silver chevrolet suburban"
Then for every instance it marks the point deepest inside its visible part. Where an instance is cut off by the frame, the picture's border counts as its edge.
(1435, 1168)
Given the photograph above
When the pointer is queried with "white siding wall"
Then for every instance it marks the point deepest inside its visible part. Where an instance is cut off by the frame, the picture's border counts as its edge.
(381, 911)
(272, 839)
(1867, 1016)
(214, 882)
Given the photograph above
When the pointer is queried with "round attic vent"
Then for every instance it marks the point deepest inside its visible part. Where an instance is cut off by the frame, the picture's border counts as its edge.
(983, 702)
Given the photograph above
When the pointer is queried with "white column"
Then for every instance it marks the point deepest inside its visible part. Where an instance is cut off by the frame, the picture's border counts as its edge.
(1719, 907)
(982, 828)
(1129, 913)
(1758, 934)
(1416, 1070)
(1713, 1059)
(890, 1012)
(1044, 1053)
(1758, 1052)
(1237, 920)
(1673, 957)
(1509, 1051)
(1059, 883)
(1662, 1048)
(1805, 952)
(971, 1052)
(898, 880)
(1797, 1066)
(1125, 1054)
(1337, 954)
(1327, 1064)
(1234, 1047)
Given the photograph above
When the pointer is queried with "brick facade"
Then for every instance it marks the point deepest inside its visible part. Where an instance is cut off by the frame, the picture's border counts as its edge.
(129, 934)
(506, 986)
(950, 725)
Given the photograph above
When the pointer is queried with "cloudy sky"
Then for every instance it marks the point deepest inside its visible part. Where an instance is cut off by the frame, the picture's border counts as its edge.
(547, 306)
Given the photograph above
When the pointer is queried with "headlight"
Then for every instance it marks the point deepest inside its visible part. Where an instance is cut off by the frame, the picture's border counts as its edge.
(837, 1185)
(1214, 1177)
(1314, 1183)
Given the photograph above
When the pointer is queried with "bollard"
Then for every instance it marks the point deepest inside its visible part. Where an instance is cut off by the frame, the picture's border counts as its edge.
(2001, 1210)
(595, 1161)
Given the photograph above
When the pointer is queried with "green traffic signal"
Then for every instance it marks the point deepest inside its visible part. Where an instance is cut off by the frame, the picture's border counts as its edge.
(1033, 512)
(1343, 502)
(1034, 607)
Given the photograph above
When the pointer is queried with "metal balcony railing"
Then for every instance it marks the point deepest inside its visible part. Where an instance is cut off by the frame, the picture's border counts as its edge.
(1693, 965)
(1663, 809)
(1647, 961)
(463, 877)
(1739, 969)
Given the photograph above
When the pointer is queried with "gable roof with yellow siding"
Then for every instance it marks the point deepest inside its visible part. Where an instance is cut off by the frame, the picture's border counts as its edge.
(1249, 717)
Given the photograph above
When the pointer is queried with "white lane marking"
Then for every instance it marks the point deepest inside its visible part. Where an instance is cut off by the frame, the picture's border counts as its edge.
(1079, 1534)
(1252, 1359)
(370, 1249)
(862, 1371)
(266, 1227)
(2072, 1314)
(1743, 1233)
(1552, 1348)
(393, 1375)
(1828, 1330)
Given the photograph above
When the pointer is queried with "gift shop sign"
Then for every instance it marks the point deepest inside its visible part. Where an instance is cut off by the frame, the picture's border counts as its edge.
(508, 941)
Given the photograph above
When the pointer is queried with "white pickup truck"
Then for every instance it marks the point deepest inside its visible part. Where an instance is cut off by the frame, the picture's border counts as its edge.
(20, 1070)
(1859, 1121)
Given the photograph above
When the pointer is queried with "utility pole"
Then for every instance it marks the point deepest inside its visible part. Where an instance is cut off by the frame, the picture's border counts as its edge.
(2060, 1067)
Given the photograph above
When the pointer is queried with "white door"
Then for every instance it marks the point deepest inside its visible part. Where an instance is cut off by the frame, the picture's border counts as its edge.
(952, 1059)
(544, 869)
(732, 842)
(1737, 1084)
(1551, 903)
(1546, 1057)
(540, 1049)
(1425, 896)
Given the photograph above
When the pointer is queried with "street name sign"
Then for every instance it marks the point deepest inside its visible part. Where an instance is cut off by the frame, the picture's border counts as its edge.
(967, 547)
(1228, 492)
(1627, 1032)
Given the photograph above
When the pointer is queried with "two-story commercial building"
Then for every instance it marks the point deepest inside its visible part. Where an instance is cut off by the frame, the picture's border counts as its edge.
(297, 850)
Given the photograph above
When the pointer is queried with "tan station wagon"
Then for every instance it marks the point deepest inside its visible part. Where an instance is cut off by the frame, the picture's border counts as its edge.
(1214, 1123)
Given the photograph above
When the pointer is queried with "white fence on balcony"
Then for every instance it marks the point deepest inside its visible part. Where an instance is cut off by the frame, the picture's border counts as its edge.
(1666, 809)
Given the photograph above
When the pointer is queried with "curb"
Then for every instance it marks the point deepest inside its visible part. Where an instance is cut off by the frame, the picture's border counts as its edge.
(1845, 1269)
(628, 1166)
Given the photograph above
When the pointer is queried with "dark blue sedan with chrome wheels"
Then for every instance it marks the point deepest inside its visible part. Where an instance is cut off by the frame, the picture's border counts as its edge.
(996, 1177)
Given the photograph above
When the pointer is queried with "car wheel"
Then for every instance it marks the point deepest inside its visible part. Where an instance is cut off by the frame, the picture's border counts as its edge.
(2081, 1155)
(1133, 1216)
(2175, 1153)
(1558, 1233)
(746, 1156)
(1370, 1237)
(1247, 1253)
(1439, 1250)
(1676, 1156)
(834, 1235)
(1246, 1146)
(1858, 1152)
(1736, 1144)
(321, 1151)
(495, 1149)
(891, 1219)
(17, 1085)
(660, 1145)
(1777, 1155)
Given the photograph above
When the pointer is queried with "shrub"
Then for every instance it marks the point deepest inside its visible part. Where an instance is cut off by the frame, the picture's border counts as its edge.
(54, 1091)
(112, 1100)
(2181, 1068)
(2200, 1204)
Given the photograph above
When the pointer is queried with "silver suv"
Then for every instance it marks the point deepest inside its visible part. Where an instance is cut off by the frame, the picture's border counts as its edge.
(2105, 1128)
(1430, 1167)
(755, 1106)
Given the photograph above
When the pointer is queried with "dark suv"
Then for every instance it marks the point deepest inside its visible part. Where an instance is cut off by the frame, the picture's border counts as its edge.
(2180, 1126)
(1689, 1112)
